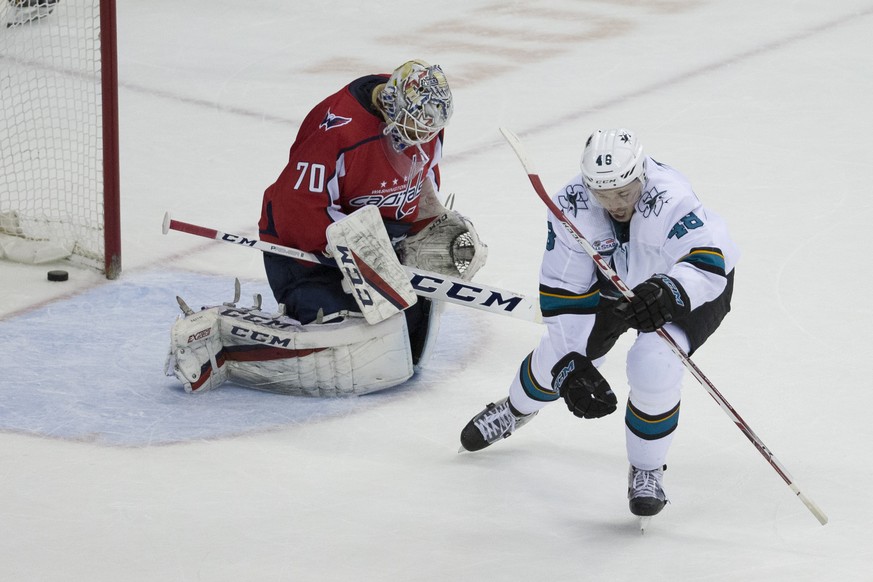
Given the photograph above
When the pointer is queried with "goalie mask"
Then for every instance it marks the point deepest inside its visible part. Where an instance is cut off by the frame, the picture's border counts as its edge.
(417, 103)
(614, 170)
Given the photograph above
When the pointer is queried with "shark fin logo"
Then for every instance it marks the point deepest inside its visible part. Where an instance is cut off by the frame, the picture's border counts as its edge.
(652, 201)
(573, 199)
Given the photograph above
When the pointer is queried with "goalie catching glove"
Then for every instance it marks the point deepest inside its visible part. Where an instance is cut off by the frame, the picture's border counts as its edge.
(657, 301)
(584, 389)
(448, 245)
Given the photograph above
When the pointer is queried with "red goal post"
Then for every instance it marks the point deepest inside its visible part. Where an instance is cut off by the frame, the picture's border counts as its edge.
(59, 170)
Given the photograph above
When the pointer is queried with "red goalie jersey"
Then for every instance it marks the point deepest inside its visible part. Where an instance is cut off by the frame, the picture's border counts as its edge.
(341, 161)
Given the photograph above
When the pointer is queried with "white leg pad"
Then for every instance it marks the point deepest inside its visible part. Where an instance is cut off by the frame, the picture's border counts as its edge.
(277, 354)
(195, 356)
(433, 328)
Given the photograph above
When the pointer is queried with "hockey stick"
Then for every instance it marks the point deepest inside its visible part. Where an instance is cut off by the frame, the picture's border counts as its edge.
(425, 283)
(610, 274)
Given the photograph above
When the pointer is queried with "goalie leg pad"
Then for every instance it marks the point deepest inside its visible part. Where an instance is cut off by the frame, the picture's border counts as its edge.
(196, 356)
(341, 358)
(423, 335)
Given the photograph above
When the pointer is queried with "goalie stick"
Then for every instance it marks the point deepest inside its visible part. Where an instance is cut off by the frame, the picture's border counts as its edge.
(425, 283)
(610, 274)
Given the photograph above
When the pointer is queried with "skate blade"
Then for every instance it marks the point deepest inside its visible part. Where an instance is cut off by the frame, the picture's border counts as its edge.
(644, 523)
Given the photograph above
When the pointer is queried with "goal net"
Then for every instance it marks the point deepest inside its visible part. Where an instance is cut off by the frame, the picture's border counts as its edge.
(59, 133)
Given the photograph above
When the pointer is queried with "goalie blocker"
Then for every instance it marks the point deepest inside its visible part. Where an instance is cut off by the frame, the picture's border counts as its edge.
(372, 274)
(373, 270)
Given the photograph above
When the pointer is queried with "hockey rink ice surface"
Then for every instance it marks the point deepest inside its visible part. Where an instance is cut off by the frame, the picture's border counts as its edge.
(110, 471)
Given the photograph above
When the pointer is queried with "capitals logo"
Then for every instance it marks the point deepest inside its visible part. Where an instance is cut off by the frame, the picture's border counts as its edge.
(404, 199)
(331, 120)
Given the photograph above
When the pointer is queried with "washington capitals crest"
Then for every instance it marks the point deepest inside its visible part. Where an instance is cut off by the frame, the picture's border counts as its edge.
(331, 120)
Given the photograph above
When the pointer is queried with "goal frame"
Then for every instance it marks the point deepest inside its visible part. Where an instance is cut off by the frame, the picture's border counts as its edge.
(60, 182)
(111, 173)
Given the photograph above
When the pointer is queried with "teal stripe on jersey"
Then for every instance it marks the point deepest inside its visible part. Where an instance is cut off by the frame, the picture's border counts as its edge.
(651, 427)
(555, 301)
(531, 387)
(706, 259)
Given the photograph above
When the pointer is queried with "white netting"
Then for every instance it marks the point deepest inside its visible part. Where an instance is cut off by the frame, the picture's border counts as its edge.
(51, 164)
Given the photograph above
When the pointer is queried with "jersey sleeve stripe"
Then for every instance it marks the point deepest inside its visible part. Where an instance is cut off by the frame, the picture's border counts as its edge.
(706, 259)
(556, 301)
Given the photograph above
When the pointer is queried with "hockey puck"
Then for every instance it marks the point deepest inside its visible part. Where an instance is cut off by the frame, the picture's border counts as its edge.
(58, 275)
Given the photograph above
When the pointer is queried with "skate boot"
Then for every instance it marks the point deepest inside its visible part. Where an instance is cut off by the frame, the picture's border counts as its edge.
(645, 492)
(497, 421)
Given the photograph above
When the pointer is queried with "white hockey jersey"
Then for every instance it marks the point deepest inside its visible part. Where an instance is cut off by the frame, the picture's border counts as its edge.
(671, 232)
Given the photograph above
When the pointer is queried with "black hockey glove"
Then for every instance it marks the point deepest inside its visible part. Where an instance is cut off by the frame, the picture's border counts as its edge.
(585, 391)
(657, 301)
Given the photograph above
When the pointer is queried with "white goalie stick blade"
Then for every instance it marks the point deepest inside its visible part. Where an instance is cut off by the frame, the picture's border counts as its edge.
(424, 283)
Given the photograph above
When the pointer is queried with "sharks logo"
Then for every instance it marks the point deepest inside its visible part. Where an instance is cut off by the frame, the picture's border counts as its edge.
(331, 120)
(652, 202)
(575, 197)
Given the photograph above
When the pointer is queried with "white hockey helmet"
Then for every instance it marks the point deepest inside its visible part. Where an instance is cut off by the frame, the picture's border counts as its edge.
(612, 158)
(417, 103)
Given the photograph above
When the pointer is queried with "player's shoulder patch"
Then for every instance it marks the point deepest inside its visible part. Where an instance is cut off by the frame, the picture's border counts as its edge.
(652, 201)
(332, 120)
(573, 199)
(666, 193)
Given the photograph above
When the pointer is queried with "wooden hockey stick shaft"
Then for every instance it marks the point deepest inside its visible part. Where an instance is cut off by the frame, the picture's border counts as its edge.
(610, 274)
(424, 283)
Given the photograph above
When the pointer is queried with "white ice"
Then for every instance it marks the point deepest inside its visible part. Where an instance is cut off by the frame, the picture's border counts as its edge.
(109, 471)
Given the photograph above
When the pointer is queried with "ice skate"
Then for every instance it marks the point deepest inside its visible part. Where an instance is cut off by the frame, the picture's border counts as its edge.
(645, 493)
(497, 421)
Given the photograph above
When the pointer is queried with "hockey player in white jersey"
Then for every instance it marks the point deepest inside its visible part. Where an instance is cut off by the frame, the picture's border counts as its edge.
(677, 256)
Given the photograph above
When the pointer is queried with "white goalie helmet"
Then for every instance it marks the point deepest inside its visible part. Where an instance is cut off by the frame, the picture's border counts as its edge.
(612, 158)
(417, 103)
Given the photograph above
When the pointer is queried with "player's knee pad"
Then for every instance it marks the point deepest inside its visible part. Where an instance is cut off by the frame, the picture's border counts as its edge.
(652, 414)
(654, 373)
(196, 357)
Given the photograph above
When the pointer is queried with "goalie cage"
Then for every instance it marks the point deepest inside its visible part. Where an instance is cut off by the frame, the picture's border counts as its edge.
(59, 180)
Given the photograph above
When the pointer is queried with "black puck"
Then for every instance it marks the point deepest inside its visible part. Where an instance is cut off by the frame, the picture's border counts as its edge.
(58, 275)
